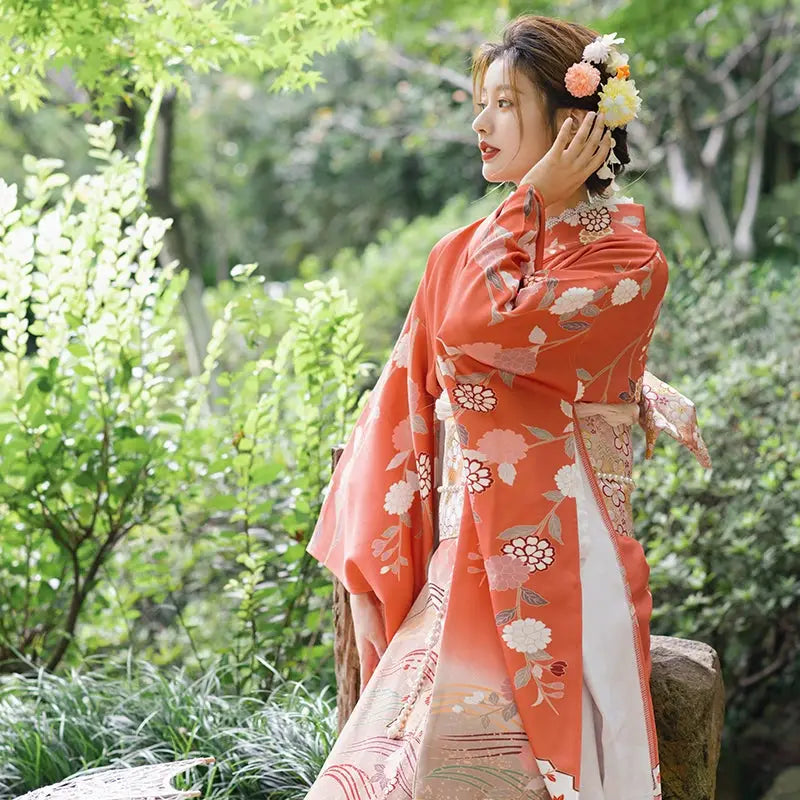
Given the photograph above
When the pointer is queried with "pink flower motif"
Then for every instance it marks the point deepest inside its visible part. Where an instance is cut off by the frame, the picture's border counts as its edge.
(401, 436)
(502, 446)
(519, 360)
(582, 79)
(506, 572)
(485, 352)
(622, 443)
(614, 491)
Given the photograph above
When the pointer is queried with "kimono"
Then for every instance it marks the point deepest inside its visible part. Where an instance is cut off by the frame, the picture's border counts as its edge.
(484, 496)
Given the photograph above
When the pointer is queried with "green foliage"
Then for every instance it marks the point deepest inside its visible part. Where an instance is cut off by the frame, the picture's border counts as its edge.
(86, 432)
(282, 414)
(109, 448)
(267, 745)
(311, 173)
(384, 277)
(725, 543)
(119, 49)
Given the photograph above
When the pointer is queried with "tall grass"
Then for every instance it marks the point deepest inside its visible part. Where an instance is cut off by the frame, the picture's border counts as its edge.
(269, 747)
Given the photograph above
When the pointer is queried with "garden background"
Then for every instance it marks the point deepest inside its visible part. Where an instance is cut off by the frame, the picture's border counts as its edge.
(213, 218)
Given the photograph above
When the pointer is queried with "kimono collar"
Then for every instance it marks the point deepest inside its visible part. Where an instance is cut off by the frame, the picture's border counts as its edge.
(589, 221)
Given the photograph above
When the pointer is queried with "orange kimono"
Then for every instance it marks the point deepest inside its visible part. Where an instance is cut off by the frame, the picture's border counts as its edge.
(484, 496)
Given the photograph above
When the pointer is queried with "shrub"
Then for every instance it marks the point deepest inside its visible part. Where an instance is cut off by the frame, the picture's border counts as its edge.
(724, 544)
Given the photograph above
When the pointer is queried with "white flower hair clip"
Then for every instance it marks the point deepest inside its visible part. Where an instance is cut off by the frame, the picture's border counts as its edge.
(619, 99)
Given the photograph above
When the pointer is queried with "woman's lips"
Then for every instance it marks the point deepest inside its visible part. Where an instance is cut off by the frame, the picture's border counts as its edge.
(489, 154)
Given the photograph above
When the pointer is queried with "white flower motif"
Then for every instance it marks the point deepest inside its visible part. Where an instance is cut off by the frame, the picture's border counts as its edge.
(599, 50)
(457, 709)
(400, 354)
(575, 298)
(527, 635)
(535, 553)
(475, 698)
(567, 480)
(398, 498)
(624, 292)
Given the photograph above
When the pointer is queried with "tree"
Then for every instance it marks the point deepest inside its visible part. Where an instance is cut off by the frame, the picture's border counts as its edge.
(118, 49)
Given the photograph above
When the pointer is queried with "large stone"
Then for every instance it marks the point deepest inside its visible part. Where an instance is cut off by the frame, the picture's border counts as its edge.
(689, 702)
(786, 786)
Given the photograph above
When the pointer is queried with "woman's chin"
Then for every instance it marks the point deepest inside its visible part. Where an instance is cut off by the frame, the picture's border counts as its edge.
(493, 175)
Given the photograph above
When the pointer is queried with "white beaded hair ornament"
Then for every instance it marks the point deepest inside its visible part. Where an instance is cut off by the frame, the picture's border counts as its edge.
(619, 98)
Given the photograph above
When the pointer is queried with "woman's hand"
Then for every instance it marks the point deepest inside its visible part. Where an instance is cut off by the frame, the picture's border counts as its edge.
(568, 164)
(369, 632)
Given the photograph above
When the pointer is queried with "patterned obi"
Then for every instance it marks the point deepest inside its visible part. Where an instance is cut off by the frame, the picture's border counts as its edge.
(606, 432)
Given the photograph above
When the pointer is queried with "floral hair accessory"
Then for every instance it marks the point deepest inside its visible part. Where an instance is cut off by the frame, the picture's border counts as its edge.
(582, 79)
(619, 101)
(619, 98)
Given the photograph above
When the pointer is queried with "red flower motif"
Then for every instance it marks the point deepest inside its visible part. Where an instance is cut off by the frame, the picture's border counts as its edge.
(595, 219)
(474, 397)
(478, 475)
(622, 443)
(558, 668)
(424, 472)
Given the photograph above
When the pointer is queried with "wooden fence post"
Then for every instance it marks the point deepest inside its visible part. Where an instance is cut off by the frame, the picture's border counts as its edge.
(346, 663)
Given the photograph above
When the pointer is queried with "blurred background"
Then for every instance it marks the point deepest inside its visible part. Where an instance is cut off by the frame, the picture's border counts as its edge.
(170, 391)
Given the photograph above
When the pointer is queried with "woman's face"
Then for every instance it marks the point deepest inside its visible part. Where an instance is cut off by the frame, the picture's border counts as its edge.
(497, 125)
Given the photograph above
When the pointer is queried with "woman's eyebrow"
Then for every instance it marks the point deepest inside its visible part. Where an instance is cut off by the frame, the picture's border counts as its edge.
(501, 88)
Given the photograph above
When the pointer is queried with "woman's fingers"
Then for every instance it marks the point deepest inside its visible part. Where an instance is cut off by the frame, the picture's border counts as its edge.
(368, 662)
(581, 135)
(598, 159)
(564, 134)
(594, 142)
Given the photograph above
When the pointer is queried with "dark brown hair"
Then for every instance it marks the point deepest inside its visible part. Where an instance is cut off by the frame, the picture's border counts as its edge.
(543, 49)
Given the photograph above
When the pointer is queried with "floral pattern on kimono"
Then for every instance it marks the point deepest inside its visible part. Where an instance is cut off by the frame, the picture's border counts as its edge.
(517, 335)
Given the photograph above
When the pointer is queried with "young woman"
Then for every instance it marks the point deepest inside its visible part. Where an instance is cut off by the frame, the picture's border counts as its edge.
(480, 513)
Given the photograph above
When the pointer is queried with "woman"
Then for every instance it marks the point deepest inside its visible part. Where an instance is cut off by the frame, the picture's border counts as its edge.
(503, 627)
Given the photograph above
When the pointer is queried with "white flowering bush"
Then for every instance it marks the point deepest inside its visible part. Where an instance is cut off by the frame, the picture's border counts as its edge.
(87, 427)
(127, 484)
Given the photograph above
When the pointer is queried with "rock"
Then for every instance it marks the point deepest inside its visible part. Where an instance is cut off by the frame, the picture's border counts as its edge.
(786, 786)
(689, 703)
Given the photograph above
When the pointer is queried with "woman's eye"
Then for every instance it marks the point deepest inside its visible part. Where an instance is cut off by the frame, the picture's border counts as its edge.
(501, 100)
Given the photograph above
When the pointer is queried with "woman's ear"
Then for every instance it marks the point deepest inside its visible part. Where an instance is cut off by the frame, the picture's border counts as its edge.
(577, 115)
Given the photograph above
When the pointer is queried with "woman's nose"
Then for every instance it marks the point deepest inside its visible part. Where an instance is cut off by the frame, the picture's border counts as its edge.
(479, 123)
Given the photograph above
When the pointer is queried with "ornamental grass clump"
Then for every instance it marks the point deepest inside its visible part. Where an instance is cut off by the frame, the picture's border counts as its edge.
(270, 746)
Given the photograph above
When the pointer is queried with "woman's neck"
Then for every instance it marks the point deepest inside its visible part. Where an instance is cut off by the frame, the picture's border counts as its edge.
(579, 196)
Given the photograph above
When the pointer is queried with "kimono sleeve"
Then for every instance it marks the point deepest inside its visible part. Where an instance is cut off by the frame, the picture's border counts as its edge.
(375, 528)
(579, 325)
(663, 408)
